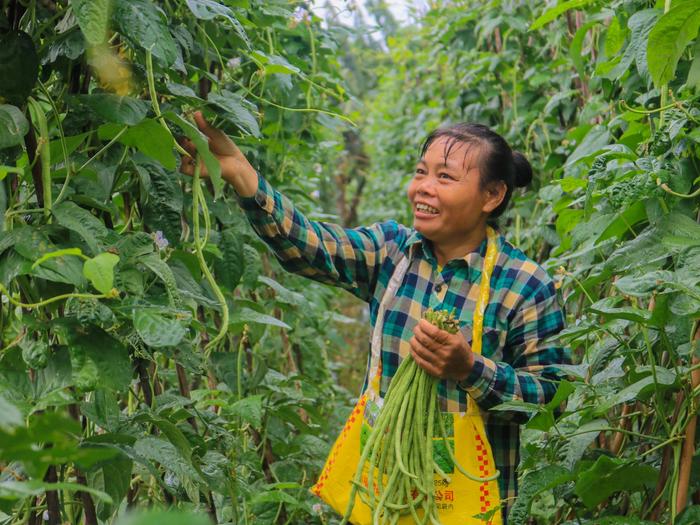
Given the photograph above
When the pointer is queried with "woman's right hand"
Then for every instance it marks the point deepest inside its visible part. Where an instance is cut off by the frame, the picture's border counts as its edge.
(235, 168)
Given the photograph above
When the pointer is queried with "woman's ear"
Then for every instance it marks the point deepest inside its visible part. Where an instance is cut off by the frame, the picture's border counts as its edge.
(494, 194)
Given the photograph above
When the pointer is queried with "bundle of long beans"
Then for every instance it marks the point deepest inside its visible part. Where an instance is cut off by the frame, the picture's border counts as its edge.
(399, 448)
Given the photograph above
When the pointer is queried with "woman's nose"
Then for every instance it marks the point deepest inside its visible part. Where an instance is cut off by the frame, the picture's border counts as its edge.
(426, 187)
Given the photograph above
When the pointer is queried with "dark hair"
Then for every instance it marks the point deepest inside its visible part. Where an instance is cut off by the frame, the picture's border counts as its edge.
(497, 161)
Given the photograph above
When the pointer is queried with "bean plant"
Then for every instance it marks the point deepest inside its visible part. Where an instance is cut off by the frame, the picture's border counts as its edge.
(151, 356)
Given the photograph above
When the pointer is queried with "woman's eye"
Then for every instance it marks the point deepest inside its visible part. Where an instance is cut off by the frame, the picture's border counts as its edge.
(445, 176)
(420, 171)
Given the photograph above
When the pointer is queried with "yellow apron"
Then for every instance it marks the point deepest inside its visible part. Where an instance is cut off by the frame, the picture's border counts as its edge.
(458, 500)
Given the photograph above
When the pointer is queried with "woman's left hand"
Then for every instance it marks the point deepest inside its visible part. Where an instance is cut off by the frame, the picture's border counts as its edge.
(440, 353)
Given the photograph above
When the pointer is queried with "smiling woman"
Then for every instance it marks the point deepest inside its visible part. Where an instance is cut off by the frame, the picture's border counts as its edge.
(464, 179)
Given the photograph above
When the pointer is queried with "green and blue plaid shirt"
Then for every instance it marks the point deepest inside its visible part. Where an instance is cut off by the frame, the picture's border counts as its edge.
(517, 361)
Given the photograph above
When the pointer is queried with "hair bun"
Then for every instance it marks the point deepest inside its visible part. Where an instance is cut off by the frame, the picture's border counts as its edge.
(523, 170)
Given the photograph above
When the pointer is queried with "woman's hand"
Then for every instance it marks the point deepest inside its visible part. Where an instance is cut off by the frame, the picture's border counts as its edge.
(440, 353)
(235, 168)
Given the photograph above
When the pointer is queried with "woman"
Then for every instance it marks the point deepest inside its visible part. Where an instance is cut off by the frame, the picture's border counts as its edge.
(463, 181)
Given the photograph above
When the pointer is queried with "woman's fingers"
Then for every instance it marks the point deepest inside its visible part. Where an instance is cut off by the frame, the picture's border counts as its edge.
(426, 365)
(426, 340)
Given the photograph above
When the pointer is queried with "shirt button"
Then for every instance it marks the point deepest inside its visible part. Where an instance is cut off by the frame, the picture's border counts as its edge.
(438, 288)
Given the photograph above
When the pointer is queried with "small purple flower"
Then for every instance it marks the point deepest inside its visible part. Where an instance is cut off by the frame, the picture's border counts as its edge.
(160, 240)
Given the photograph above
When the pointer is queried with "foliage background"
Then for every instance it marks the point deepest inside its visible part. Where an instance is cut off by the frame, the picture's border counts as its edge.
(114, 400)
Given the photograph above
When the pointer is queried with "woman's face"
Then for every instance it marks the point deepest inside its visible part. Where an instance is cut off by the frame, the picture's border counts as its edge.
(448, 205)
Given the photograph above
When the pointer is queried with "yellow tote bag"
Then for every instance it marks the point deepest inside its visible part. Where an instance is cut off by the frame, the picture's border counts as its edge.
(457, 500)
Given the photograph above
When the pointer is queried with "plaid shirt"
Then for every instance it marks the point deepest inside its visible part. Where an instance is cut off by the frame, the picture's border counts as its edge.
(523, 310)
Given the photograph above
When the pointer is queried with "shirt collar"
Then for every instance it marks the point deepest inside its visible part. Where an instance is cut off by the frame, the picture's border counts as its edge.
(472, 259)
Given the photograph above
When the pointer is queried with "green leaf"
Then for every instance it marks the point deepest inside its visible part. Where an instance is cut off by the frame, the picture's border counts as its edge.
(113, 478)
(533, 483)
(235, 111)
(690, 516)
(34, 487)
(99, 361)
(157, 330)
(247, 315)
(10, 416)
(670, 36)
(229, 269)
(614, 37)
(610, 475)
(152, 139)
(640, 24)
(693, 80)
(113, 108)
(575, 48)
(100, 271)
(93, 19)
(595, 140)
(555, 12)
(19, 64)
(249, 409)
(165, 453)
(144, 25)
(544, 419)
(13, 126)
(284, 295)
(202, 144)
(162, 211)
(210, 9)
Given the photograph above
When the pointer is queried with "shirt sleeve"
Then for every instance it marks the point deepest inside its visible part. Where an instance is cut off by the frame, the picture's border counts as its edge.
(346, 257)
(531, 374)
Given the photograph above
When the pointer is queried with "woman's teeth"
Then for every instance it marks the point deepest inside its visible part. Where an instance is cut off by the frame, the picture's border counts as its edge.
(425, 208)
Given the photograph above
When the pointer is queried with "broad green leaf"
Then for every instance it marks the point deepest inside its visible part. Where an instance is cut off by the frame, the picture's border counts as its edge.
(113, 108)
(614, 37)
(158, 266)
(693, 80)
(150, 138)
(164, 452)
(100, 271)
(162, 211)
(34, 487)
(284, 294)
(10, 416)
(19, 64)
(575, 48)
(210, 9)
(249, 409)
(247, 315)
(113, 478)
(13, 126)
(144, 25)
(99, 361)
(555, 12)
(93, 19)
(690, 516)
(642, 285)
(610, 475)
(156, 329)
(235, 110)
(595, 140)
(577, 444)
(202, 144)
(640, 24)
(58, 253)
(229, 269)
(533, 483)
(544, 419)
(670, 36)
